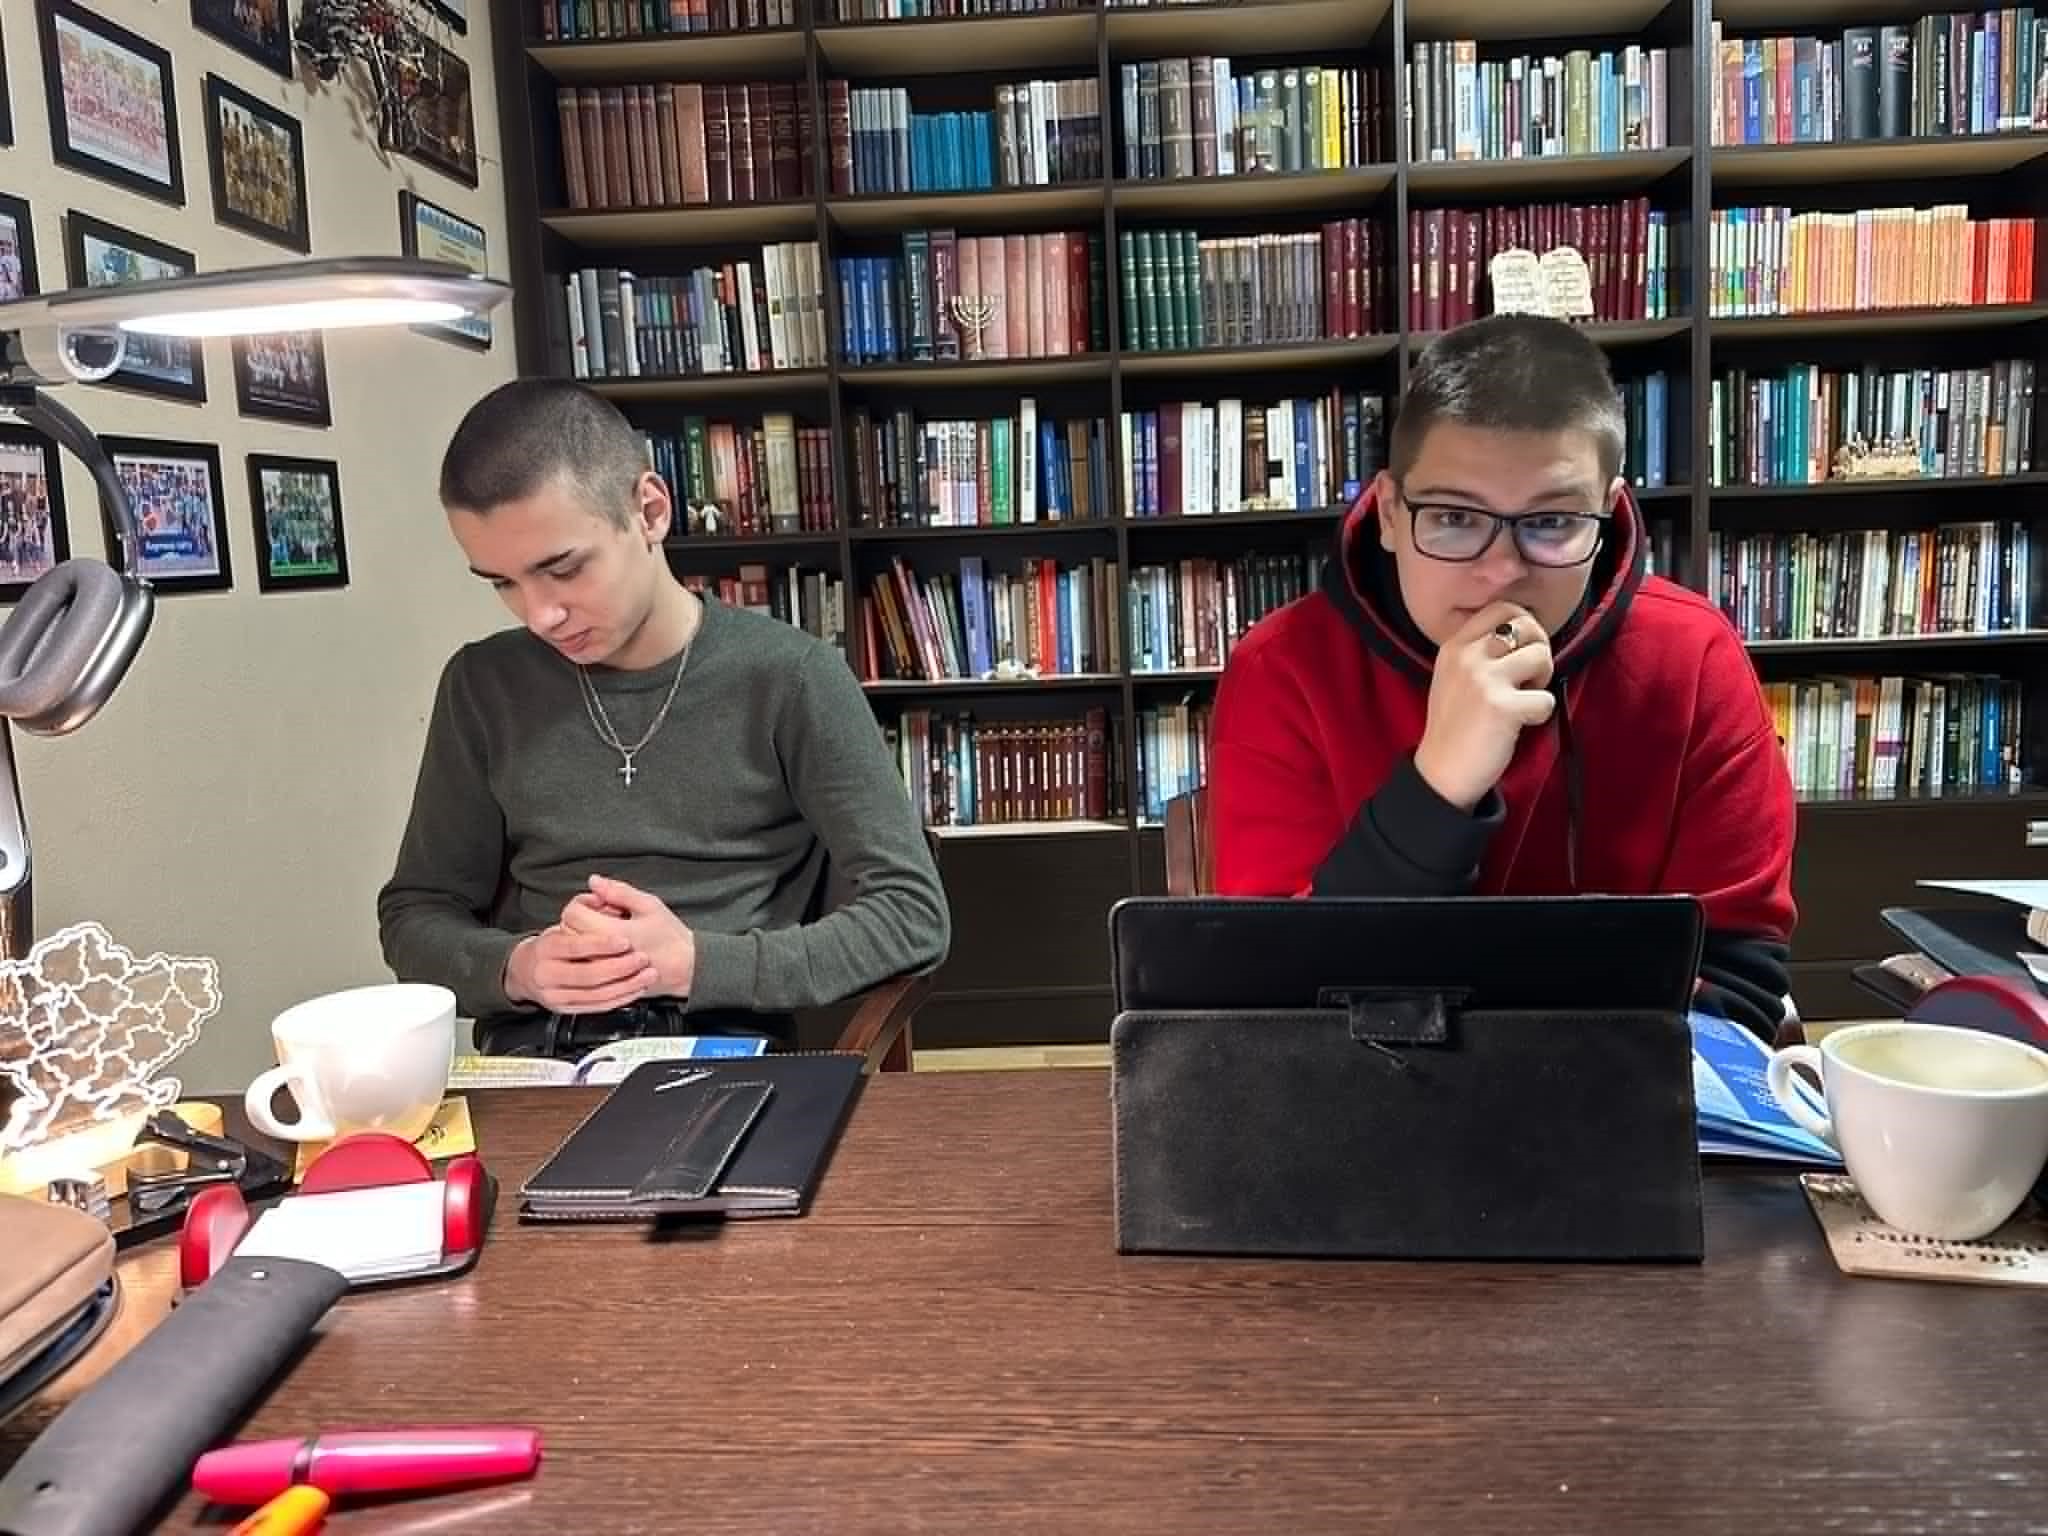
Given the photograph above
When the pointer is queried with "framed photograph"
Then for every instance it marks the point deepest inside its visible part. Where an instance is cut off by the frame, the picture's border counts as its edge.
(262, 29)
(434, 122)
(283, 376)
(33, 536)
(113, 110)
(256, 157)
(176, 492)
(295, 505)
(103, 255)
(17, 250)
(454, 12)
(431, 233)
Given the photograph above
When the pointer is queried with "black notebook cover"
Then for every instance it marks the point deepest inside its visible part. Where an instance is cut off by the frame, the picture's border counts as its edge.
(631, 1158)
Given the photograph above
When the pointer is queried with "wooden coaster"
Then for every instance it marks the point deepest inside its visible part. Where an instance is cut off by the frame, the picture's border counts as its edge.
(2016, 1254)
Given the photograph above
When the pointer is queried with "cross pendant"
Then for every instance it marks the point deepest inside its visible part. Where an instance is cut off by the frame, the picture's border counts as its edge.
(626, 772)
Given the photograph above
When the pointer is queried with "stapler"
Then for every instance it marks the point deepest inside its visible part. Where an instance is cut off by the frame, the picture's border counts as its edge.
(160, 1190)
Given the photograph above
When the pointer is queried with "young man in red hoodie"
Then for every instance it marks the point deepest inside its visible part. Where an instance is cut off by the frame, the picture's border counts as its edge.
(1488, 694)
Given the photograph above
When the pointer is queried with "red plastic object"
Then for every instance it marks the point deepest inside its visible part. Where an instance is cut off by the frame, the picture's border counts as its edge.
(1989, 1003)
(364, 1161)
(216, 1220)
(367, 1462)
(467, 1209)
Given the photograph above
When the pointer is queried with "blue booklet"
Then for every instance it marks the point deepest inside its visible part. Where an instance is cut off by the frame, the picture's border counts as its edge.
(1738, 1116)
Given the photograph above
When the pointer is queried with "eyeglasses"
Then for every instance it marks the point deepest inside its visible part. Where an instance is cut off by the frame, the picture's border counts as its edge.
(1555, 539)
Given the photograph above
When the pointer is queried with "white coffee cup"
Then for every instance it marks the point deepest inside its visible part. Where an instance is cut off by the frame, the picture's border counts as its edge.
(1944, 1130)
(371, 1058)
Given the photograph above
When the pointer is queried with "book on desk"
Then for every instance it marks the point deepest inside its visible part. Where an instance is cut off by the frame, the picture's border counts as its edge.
(1738, 1116)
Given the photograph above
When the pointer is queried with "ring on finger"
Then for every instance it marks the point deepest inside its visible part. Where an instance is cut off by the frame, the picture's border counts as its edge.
(1509, 637)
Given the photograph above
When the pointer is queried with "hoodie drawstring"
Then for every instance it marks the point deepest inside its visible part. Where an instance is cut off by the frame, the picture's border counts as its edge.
(1573, 791)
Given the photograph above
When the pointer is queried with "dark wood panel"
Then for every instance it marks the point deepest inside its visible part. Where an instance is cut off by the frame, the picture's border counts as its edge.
(1066, 1018)
(1031, 911)
(1853, 861)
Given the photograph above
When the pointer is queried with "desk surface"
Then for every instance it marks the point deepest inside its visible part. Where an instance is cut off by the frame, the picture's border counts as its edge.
(950, 1343)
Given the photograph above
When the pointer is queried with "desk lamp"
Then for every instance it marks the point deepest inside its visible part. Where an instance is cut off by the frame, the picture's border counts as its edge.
(69, 642)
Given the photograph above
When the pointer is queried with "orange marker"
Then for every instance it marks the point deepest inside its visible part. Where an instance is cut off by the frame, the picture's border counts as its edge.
(291, 1513)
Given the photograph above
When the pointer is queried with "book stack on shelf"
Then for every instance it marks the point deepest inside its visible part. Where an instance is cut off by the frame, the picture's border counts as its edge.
(1087, 323)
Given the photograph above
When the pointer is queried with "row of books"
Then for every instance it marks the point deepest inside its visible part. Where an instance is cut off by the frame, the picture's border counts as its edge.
(1040, 132)
(964, 772)
(1173, 754)
(1581, 102)
(973, 296)
(986, 473)
(1873, 584)
(1188, 615)
(1043, 619)
(668, 145)
(1182, 292)
(1873, 737)
(1195, 459)
(1626, 245)
(1773, 261)
(735, 317)
(1194, 117)
(583, 20)
(1945, 74)
(745, 482)
(813, 601)
(1786, 427)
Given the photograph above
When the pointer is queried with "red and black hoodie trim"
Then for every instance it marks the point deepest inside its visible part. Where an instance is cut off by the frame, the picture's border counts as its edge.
(1406, 840)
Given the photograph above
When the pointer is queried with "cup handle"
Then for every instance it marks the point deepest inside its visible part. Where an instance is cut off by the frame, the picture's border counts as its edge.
(256, 1102)
(1789, 1096)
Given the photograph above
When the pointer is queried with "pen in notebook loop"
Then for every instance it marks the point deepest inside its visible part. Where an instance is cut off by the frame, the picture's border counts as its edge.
(684, 1081)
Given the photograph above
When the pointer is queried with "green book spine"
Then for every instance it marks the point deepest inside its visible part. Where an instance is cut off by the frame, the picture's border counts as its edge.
(1127, 279)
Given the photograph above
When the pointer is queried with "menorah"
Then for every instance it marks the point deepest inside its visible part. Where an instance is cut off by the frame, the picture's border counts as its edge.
(973, 312)
(1886, 458)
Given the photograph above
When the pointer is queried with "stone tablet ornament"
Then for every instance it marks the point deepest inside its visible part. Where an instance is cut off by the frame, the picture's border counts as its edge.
(1518, 287)
(1567, 283)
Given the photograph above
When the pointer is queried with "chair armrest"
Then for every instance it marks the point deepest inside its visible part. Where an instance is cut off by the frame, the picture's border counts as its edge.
(879, 1031)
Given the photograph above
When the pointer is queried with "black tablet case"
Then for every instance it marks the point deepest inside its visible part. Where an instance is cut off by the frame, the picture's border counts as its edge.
(1452, 1078)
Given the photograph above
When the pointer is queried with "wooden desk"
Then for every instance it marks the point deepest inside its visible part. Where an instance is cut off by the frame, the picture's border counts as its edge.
(949, 1343)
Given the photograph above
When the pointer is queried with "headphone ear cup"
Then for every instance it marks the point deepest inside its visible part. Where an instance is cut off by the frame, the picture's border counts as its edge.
(79, 624)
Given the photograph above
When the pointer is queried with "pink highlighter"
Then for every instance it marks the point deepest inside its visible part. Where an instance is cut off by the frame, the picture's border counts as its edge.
(370, 1461)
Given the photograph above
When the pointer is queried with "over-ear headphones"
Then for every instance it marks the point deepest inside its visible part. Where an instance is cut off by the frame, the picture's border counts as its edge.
(75, 632)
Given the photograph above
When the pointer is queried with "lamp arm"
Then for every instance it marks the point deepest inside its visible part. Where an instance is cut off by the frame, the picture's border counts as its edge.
(61, 425)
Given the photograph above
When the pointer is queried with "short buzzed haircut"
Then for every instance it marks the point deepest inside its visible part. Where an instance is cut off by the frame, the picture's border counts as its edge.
(1511, 373)
(527, 434)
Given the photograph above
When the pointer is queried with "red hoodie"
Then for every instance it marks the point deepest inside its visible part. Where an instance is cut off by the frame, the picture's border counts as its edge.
(1660, 772)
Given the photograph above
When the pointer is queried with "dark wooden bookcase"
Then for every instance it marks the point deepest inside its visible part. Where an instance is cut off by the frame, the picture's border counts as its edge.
(1030, 958)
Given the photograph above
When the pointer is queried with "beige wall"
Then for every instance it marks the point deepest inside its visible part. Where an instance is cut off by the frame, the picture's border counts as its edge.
(242, 795)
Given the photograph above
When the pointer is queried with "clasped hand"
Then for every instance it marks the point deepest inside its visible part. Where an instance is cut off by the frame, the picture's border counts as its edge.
(613, 945)
(1482, 695)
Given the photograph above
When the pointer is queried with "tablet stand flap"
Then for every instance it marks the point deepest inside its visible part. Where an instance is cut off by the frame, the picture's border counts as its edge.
(1403, 1128)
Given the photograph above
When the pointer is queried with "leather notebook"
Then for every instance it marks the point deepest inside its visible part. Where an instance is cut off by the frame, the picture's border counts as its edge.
(738, 1137)
(1452, 1078)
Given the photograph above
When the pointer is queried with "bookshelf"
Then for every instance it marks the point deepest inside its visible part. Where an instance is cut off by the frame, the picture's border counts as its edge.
(1748, 321)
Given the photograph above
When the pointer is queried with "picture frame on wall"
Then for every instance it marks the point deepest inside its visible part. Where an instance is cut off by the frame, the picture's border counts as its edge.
(113, 103)
(17, 250)
(34, 537)
(429, 232)
(295, 506)
(435, 121)
(175, 489)
(261, 29)
(256, 160)
(282, 376)
(454, 12)
(103, 255)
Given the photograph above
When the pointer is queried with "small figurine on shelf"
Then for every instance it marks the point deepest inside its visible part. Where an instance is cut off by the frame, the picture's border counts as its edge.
(1011, 670)
(1888, 458)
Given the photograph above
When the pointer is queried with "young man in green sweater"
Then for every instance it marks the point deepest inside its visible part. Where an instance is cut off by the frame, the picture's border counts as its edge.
(626, 806)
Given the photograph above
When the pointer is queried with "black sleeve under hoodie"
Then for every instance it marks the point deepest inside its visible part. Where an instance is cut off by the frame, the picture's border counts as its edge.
(1407, 840)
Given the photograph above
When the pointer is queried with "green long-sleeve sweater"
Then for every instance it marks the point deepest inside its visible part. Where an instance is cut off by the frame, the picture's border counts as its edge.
(769, 762)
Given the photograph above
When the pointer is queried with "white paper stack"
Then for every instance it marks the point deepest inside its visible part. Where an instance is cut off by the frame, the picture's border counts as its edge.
(366, 1234)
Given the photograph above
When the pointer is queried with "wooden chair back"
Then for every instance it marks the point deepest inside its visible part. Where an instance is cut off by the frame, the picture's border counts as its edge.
(1189, 868)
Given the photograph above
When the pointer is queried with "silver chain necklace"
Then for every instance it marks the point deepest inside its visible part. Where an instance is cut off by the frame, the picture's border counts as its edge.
(602, 724)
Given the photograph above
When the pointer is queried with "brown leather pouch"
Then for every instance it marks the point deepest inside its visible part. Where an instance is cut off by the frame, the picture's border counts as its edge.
(58, 1258)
